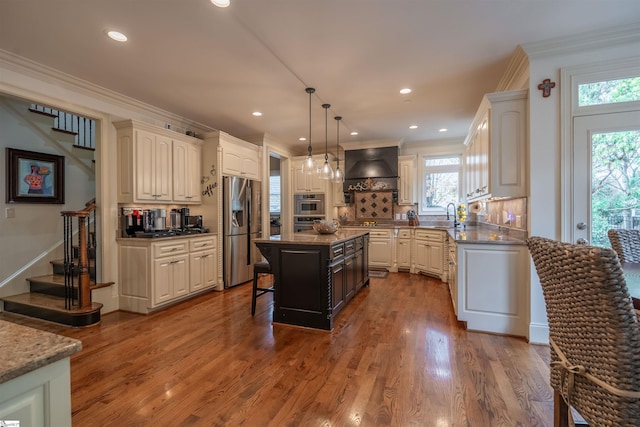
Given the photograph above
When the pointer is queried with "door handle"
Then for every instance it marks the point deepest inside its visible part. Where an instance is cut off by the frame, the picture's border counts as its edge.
(583, 242)
(581, 226)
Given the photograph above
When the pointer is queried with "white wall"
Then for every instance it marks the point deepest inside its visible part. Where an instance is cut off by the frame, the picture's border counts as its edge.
(547, 126)
(35, 233)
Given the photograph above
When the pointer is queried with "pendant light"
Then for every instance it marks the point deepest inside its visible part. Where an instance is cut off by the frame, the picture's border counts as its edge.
(309, 166)
(326, 172)
(338, 176)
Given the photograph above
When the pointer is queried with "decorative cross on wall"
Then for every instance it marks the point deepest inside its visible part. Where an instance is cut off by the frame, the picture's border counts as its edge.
(546, 87)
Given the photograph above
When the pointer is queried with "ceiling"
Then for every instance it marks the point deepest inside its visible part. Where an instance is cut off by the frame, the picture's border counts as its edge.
(216, 66)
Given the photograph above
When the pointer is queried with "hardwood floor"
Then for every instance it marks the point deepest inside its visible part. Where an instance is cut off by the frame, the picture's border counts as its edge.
(396, 357)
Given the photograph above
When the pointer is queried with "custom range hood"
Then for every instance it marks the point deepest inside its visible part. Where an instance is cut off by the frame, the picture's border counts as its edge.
(371, 169)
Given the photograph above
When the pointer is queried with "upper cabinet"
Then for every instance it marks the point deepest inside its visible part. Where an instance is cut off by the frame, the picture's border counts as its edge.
(495, 157)
(237, 157)
(302, 182)
(186, 171)
(407, 180)
(156, 164)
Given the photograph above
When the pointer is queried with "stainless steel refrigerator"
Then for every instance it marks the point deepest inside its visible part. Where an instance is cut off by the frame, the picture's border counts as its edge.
(241, 216)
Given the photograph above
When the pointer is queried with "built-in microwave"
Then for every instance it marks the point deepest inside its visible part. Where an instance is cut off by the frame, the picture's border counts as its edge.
(308, 204)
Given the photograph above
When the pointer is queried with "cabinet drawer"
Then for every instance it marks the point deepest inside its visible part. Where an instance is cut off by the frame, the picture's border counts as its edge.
(170, 248)
(430, 235)
(202, 244)
(380, 234)
(337, 251)
(404, 234)
(349, 247)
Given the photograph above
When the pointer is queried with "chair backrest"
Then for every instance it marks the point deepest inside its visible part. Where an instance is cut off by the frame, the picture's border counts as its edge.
(592, 321)
(626, 243)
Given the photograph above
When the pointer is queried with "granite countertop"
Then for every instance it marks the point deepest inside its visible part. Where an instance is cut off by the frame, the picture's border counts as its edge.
(472, 234)
(165, 238)
(481, 235)
(26, 349)
(313, 238)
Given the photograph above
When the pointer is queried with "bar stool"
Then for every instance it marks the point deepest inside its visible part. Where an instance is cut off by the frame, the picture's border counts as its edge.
(261, 267)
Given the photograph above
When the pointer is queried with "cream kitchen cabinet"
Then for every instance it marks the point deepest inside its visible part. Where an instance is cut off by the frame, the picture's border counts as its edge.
(429, 252)
(153, 162)
(495, 158)
(186, 172)
(404, 244)
(381, 250)
(492, 287)
(302, 182)
(235, 157)
(407, 180)
(157, 272)
(202, 263)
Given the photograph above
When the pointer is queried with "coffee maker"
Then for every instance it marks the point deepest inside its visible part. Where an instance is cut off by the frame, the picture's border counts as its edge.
(184, 218)
(131, 221)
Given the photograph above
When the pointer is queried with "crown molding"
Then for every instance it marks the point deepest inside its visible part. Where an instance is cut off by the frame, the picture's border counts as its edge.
(584, 41)
(517, 71)
(30, 68)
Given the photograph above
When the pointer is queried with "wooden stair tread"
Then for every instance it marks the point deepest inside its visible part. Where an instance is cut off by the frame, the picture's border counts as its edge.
(58, 279)
(44, 113)
(68, 132)
(49, 302)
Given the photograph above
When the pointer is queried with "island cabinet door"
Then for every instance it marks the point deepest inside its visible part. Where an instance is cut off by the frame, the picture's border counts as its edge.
(351, 277)
(337, 286)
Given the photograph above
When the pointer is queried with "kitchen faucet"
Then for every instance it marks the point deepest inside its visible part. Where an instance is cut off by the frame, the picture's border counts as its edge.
(455, 216)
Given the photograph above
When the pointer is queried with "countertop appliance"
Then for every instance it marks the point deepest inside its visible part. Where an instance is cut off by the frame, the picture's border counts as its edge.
(308, 204)
(241, 219)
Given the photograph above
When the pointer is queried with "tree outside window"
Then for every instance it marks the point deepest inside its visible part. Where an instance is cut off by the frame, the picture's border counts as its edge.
(440, 183)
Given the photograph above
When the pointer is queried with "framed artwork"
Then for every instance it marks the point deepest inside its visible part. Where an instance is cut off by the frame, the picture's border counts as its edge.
(34, 177)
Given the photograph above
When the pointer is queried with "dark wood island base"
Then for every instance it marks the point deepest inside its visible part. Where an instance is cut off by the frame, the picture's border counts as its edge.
(315, 275)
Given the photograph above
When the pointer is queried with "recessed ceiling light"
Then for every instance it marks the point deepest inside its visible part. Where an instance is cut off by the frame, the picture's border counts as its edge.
(257, 113)
(405, 91)
(302, 138)
(442, 130)
(413, 127)
(354, 133)
(221, 3)
(117, 36)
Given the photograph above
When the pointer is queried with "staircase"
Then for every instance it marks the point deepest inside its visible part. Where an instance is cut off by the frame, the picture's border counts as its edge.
(65, 295)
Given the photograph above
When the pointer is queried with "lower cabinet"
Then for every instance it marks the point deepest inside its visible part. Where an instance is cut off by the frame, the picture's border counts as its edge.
(170, 278)
(429, 252)
(492, 283)
(380, 248)
(154, 273)
(403, 249)
(38, 398)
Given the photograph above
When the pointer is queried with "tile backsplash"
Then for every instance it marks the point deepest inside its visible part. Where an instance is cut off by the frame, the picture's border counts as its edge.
(374, 205)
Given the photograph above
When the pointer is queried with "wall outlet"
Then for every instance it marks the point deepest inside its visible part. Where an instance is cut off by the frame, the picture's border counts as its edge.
(10, 212)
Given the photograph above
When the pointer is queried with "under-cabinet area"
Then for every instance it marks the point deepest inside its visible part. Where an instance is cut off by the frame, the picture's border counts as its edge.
(158, 272)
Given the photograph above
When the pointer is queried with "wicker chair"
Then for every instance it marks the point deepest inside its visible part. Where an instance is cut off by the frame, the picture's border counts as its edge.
(593, 331)
(626, 243)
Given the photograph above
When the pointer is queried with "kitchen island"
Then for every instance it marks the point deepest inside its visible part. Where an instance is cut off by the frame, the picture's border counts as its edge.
(315, 275)
(35, 386)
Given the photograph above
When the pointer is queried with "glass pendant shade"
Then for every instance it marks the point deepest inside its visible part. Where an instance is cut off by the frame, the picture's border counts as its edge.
(326, 172)
(309, 165)
(338, 176)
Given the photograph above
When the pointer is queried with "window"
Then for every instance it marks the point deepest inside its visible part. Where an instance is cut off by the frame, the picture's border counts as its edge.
(274, 194)
(440, 183)
(609, 91)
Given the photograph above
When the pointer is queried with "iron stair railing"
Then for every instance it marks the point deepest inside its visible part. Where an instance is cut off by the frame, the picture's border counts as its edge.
(83, 128)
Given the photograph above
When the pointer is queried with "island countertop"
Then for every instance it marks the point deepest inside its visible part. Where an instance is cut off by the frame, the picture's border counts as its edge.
(26, 349)
(313, 238)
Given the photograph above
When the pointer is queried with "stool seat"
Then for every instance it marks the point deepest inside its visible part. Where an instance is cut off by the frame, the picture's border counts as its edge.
(261, 267)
